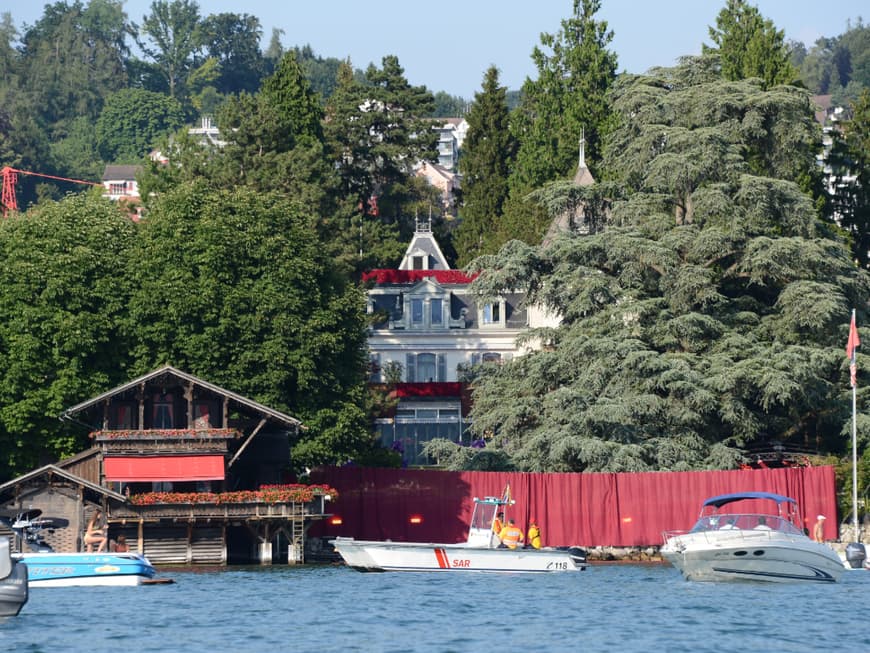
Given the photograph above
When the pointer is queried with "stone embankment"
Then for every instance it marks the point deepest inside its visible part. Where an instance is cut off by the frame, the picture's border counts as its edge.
(623, 554)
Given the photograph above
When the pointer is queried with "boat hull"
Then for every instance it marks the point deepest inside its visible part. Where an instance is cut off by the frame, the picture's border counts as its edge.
(411, 556)
(752, 555)
(86, 569)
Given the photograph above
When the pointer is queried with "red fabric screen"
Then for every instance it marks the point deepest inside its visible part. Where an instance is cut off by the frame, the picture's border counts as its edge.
(164, 468)
(583, 509)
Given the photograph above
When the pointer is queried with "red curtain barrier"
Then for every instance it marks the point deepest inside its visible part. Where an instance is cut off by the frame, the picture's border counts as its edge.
(584, 509)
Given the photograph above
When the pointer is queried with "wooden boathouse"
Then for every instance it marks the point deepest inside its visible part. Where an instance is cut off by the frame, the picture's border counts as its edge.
(188, 472)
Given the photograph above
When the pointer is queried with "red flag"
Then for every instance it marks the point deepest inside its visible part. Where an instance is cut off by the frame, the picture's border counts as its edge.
(854, 342)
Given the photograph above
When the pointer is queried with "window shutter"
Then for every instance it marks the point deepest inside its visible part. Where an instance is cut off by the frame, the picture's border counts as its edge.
(475, 359)
(442, 368)
(410, 367)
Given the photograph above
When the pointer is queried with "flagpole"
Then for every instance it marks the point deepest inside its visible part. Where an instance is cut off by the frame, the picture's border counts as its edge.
(855, 466)
(854, 342)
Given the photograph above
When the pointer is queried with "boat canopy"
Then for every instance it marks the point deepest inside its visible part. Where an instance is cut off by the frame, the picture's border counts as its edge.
(723, 499)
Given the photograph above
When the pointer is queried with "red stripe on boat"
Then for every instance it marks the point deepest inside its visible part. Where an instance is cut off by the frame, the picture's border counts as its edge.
(442, 559)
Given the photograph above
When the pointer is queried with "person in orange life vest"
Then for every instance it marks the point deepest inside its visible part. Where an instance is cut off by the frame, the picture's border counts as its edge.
(534, 533)
(498, 524)
(511, 535)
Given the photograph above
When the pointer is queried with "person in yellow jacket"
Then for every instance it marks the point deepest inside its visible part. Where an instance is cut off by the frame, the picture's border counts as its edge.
(511, 535)
(534, 534)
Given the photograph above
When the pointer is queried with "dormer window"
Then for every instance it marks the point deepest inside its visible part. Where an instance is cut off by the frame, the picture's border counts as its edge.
(491, 314)
(416, 311)
(418, 262)
(437, 314)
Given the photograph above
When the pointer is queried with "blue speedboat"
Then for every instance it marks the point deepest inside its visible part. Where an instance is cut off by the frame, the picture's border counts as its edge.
(49, 568)
(68, 569)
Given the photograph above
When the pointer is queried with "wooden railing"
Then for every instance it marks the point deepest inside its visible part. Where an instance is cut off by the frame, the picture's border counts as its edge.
(221, 511)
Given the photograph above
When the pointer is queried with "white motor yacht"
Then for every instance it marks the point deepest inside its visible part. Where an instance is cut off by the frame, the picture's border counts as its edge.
(727, 543)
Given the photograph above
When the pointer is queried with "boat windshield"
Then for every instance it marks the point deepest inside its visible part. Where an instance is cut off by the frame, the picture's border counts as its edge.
(746, 522)
(484, 514)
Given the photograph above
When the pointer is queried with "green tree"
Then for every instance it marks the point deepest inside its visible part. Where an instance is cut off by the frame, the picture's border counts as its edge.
(132, 122)
(233, 40)
(488, 155)
(749, 45)
(322, 72)
(274, 52)
(566, 103)
(75, 151)
(850, 164)
(275, 141)
(681, 341)
(64, 292)
(8, 55)
(73, 58)
(448, 106)
(377, 133)
(172, 28)
(234, 286)
(815, 69)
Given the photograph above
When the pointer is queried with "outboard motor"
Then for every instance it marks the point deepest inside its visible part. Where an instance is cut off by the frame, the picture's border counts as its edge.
(578, 555)
(856, 554)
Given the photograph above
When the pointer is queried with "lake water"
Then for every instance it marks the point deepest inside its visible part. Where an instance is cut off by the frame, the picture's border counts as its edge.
(333, 608)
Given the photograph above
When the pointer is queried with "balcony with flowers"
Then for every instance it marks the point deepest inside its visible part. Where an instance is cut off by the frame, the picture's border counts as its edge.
(269, 501)
(190, 439)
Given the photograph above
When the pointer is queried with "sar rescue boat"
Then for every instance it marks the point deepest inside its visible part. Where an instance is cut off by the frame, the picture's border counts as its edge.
(482, 552)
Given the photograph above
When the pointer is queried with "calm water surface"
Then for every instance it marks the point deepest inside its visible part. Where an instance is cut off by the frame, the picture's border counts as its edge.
(332, 608)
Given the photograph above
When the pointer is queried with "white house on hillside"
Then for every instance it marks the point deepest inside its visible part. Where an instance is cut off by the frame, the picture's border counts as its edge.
(427, 332)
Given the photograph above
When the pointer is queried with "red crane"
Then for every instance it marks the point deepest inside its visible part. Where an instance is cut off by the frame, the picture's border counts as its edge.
(8, 202)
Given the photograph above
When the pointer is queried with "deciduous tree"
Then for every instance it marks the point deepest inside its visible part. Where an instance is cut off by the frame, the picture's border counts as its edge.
(172, 28)
(233, 40)
(64, 293)
(234, 286)
(133, 121)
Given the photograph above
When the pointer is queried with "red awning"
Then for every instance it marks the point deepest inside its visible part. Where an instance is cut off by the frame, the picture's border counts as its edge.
(164, 468)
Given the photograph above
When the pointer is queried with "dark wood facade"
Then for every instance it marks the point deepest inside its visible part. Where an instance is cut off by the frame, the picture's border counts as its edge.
(170, 432)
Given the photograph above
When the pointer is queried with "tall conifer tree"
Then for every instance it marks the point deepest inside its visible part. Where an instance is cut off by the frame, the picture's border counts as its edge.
(567, 101)
(489, 150)
(749, 45)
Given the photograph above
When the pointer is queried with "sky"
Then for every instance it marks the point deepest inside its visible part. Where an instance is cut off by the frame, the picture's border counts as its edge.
(448, 45)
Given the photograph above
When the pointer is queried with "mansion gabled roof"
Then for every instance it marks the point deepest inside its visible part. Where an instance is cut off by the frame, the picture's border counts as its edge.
(423, 252)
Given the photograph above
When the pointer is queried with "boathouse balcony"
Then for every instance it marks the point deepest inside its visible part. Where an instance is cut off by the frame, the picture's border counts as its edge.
(208, 440)
(204, 528)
